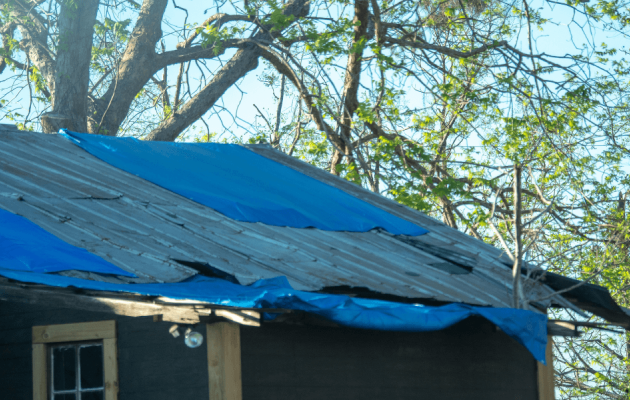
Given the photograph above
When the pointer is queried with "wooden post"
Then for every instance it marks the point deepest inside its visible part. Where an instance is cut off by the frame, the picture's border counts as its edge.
(546, 388)
(224, 361)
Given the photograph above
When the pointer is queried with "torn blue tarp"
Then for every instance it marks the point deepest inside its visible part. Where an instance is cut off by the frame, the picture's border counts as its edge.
(24, 246)
(242, 185)
(527, 327)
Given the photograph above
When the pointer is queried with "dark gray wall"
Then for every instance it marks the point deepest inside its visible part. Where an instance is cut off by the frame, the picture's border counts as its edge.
(468, 361)
(283, 362)
(151, 363)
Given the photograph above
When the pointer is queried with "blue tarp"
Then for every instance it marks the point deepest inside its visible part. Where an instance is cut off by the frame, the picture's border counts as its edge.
(527, 327)
(24, 246)
(242, 184)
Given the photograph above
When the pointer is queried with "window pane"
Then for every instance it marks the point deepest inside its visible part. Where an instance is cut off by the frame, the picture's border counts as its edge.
(64, 368)
(66, 396)
(96, 395)
(91, 366)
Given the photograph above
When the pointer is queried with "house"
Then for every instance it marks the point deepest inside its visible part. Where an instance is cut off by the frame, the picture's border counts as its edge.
(134, 270)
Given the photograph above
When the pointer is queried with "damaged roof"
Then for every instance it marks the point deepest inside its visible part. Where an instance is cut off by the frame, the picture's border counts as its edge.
(161, 236)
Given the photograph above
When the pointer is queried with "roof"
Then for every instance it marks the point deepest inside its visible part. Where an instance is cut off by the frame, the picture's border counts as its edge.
(161, 236)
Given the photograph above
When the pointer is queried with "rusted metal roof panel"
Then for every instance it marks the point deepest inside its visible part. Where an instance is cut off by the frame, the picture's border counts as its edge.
(145, 229)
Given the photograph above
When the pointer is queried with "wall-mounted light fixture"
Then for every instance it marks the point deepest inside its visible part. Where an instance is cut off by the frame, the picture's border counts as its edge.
(193, 339)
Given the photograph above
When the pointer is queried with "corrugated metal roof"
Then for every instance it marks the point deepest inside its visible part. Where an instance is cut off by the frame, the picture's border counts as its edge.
(144, 229)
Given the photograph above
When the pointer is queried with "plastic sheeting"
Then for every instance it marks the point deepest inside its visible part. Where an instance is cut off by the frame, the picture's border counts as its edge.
(24, 246)
(242, 184)
(527, 327)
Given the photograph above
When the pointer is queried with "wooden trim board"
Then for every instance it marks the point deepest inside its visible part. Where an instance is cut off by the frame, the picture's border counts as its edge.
(546, 388)
(224, 361)
(40, 372)
(74, 332)
(110, 360)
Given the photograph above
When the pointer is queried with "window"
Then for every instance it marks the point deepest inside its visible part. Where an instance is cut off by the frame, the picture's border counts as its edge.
(75, 361)
(76, 372)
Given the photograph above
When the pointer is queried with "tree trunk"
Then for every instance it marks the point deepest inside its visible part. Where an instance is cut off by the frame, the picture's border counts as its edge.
(133, 71)
(351, 82)
(72, 75)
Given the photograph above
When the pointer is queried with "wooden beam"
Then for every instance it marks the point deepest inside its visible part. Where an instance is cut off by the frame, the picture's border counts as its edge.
(243, 317)
(561, 328)
(74, 332)
(224, 361)
(575, 324)
(181, 315)
(40, 372)
(185, 313)
(130, 308)
(546, 387)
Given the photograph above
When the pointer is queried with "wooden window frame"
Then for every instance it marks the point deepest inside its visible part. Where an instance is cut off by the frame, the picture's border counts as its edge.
(104, 331)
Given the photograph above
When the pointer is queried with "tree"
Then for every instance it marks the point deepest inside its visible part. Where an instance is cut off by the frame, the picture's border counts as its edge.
(92, 74)
(446, 106)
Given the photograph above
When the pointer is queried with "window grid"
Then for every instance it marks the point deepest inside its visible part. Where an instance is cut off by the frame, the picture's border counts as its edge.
(78, 390)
